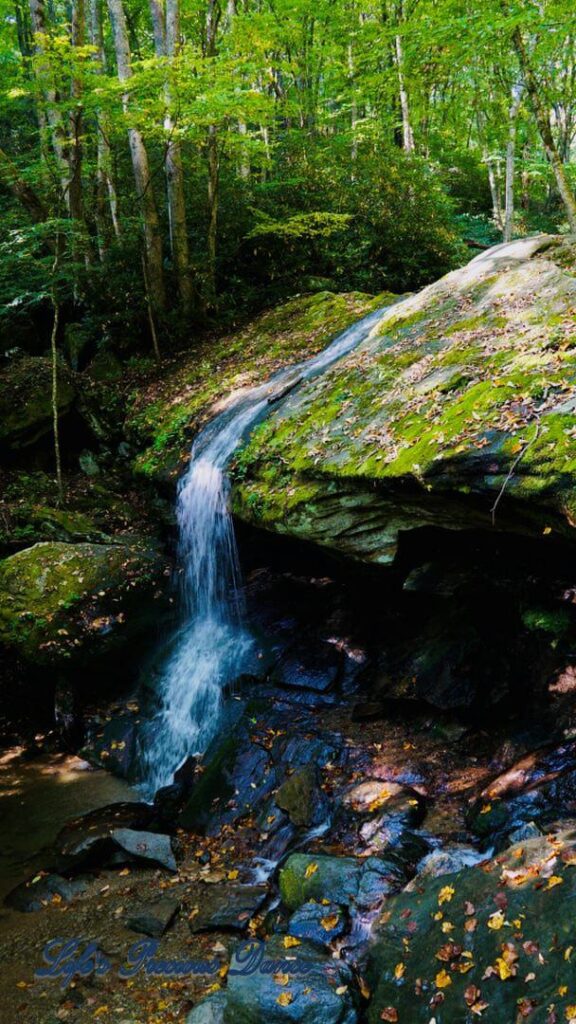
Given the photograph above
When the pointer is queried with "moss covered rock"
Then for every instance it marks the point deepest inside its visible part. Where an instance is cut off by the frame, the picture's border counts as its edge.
(494, 942)
(26, 402)
(163, 418)
(463, 398)
(75, 601)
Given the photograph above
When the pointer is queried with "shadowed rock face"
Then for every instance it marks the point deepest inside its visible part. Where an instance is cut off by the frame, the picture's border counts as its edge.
(463, 397)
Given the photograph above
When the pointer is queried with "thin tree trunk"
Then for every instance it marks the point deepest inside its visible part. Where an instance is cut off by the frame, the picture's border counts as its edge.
(175, 173)
(213, 15)
(51, 112)
(105, 179)
(508, 231)
(213, 181)
(140, 165)
(407, 133)
(353, 110)
(74, 141)
(542, 118)
(54, 359)
(494, 192)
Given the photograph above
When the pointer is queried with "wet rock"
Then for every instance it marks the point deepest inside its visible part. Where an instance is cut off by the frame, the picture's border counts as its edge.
(319, 923)
(297, 985)
(314, 666)
(210, 1010)
(448, 859)
(368, 797)
(528, 831)
(343, 880)
(88, 839)
(150, 846)
(305, 876)
(486, 964)
(153, 919)
(238, 777)
(302, 799)
(227, 907)
(30, 896)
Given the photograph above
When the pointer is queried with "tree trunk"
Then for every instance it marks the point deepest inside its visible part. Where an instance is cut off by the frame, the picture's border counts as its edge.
(140, 165)
(213, 15)
(542, 118)
(407, 133)
(74, 141)
(51, 112)
(508, 231)
(175, 173)
(106, 198)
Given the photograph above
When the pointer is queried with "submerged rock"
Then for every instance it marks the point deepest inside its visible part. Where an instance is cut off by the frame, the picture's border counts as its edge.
(72, 602)
(209, 1011)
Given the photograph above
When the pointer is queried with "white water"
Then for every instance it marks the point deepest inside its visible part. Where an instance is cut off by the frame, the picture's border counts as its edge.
(212, 645)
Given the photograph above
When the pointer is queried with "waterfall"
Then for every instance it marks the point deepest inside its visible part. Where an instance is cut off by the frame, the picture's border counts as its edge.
(212, 645)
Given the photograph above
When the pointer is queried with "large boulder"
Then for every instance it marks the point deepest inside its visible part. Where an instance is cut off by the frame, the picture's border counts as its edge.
(61, 602)
(462, 399)
(26, 412)
(493, 942)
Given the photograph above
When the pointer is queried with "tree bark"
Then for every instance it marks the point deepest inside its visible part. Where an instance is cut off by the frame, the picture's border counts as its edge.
(107, 197)
(213, 15)
(542, 118)
(51, 112)
(140, 165)
(508, 231)
(174, 171)
(22, 190)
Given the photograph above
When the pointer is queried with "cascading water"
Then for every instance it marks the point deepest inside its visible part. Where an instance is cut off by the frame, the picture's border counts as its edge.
(212, 645)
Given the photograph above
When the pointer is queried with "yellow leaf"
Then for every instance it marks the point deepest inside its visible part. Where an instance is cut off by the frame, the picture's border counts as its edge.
(568, 952)
(310, 870)
(100, 1011)
(285, 998)
(399, 971)
(438, 915)
(496, 920)
(443, 979)
(365, 991)
(232, 875)
(447, 927)
(341, 990)
(562, 990)
(486, 809)
(281, 979)
(445, 894)
(330, 922)
(503, 969)
(554, 880)
(290, 941)
(570, 1012)
(547, 530)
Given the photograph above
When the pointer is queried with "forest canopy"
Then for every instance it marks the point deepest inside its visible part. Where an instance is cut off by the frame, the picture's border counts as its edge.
(166, 165)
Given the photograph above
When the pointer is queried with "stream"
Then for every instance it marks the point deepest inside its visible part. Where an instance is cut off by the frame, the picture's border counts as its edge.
(212, 646)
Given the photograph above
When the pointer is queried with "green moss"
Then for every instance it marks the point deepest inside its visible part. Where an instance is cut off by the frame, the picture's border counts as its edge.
(393, 412)
(296, 330)
(56, 599)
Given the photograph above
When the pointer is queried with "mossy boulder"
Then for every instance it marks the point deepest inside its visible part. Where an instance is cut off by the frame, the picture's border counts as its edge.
(163, 418)
(26, 400)
(458, 411)
(347, 881)
(493, 942)
(62, 602)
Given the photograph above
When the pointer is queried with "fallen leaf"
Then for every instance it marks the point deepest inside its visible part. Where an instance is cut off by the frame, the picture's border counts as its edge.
(443, 979)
